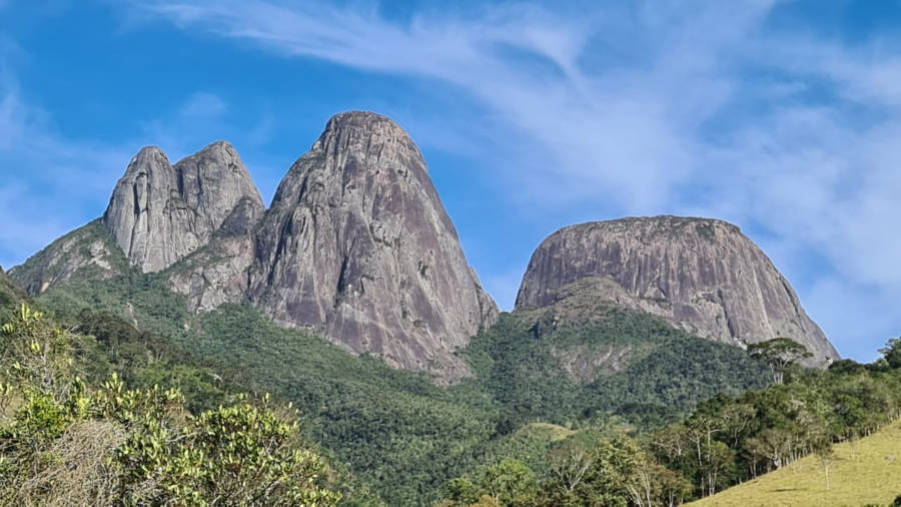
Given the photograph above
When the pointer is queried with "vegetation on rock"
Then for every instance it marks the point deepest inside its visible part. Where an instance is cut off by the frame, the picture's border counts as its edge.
(395, 430)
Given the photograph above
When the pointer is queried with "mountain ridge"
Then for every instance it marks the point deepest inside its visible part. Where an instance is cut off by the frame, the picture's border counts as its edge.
(375, 262)
(356, 244)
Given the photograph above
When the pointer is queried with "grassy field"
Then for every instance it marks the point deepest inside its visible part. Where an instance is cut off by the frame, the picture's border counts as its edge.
(870, 475)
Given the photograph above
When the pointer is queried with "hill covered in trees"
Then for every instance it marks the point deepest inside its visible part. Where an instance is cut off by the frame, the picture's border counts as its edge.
(672, 418)
(396, 432)
(807, 431)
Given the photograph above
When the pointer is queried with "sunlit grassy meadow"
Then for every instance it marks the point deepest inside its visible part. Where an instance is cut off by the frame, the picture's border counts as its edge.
(870, 474)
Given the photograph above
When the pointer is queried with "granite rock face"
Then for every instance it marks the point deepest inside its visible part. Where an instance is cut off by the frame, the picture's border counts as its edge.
(86, 252)
(357, 244)
(160, 213)
(218, 273)
(702, 275)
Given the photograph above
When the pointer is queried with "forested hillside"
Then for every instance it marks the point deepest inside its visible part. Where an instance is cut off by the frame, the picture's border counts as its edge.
(395, 430)
(67, 437)
(620, 398)
(532, 427)
(726, 441)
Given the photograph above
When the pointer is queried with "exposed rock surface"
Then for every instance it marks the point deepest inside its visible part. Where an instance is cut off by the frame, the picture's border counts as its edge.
(357, 244)
(87, 252)
(160, 213)
(700, 274)
(585, 363)
(157, 215)
(218, 273)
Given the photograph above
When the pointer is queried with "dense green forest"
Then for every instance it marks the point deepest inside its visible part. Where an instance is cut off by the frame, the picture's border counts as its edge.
(674, 418)
(396, 432)
(725, 441)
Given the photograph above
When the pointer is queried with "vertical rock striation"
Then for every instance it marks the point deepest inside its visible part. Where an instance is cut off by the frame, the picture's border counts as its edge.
(218, 273)
(357, 244)
(700, 274)
(160, 213)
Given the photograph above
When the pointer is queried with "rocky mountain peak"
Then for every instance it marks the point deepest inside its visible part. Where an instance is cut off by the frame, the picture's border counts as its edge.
(702, 275)
(159, 213)
(353, 128)
(358, 245)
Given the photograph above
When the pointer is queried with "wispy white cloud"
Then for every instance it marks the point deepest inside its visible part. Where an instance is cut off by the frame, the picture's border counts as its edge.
(45, 176)
(51, 182)
(653, 106)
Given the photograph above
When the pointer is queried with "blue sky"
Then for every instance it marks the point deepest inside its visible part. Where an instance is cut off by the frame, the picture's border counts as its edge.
(783, 117)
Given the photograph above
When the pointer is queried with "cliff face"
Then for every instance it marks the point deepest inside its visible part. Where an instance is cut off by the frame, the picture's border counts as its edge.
(160, 213)
(358, 245)
(702, 275)
(218, 272)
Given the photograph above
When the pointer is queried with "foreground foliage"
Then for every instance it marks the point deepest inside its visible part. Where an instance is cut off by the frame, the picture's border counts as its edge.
(65, 442)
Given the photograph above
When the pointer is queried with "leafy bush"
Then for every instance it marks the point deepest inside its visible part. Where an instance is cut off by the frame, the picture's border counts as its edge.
(66, 442)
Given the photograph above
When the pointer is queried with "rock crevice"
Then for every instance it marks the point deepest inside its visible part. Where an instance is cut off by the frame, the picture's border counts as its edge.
(160, 213)
(357, 245)
(702, 275)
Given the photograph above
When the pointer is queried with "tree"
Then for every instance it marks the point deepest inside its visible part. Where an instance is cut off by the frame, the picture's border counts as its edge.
(37, 353)
(773, 444)
(892, 352)
(508, 483)
(569, 465)
(779, 354)
(737, 418)
(824, 451)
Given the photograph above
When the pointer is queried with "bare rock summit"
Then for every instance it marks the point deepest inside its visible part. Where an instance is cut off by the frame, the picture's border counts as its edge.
(702, 275)
(160, 213)
(358, 245)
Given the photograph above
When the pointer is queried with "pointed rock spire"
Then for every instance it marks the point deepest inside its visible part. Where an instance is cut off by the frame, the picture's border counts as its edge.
(160, 213)
(358, 245)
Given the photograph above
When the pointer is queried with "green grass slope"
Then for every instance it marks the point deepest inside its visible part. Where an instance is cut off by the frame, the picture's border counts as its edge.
(867, 474)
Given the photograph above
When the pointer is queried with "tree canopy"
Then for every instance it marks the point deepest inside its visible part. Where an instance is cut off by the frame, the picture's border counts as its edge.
(779, 354)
